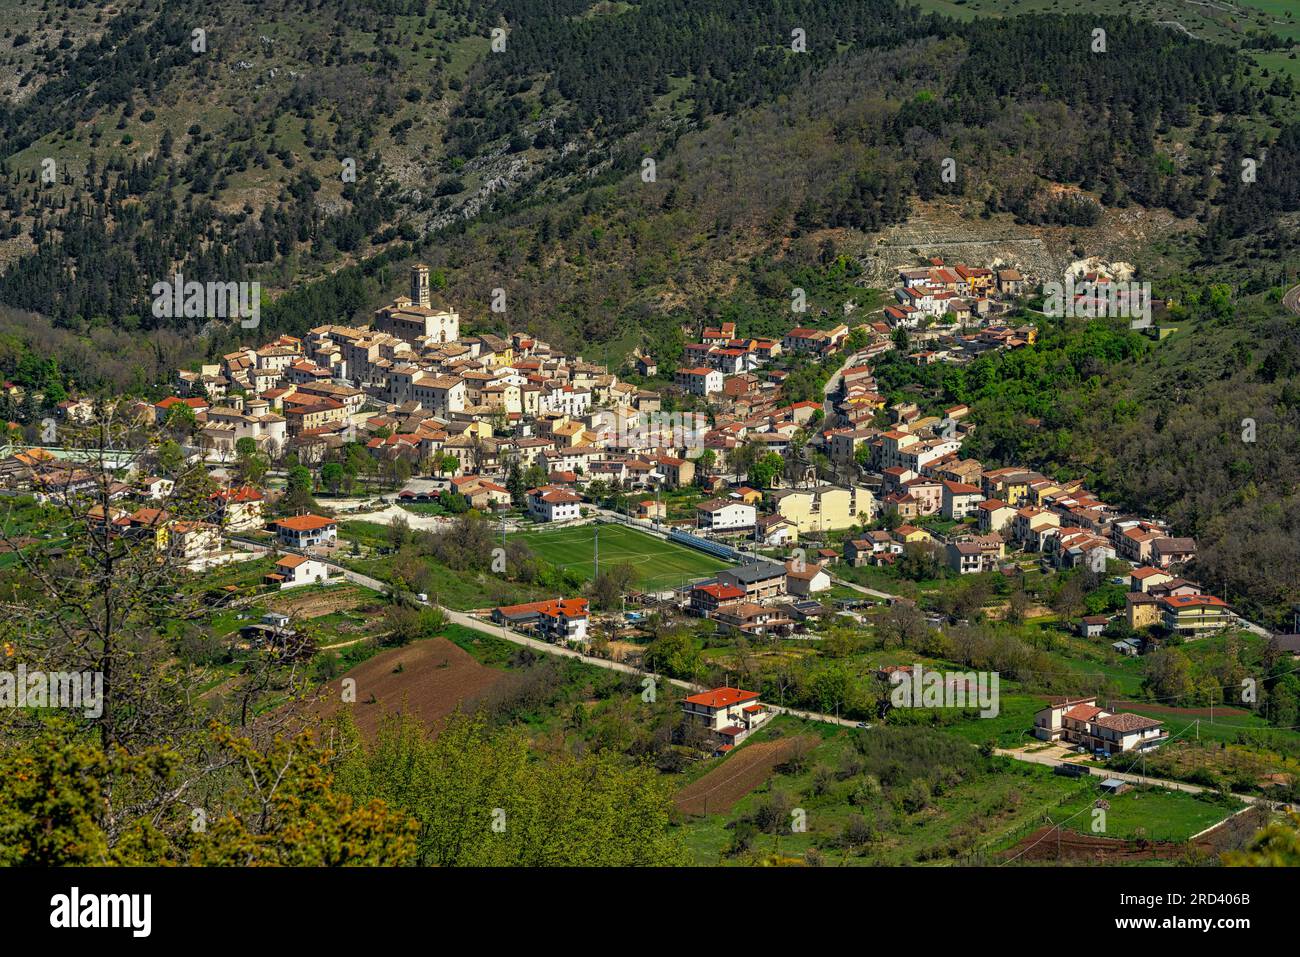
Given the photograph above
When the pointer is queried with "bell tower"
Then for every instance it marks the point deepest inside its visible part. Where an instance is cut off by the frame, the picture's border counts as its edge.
(420, 285)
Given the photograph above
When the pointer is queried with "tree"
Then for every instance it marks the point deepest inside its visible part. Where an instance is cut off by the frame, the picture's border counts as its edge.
(180, 420)
(252, 465)
(408, 623)
(170, 457)
(332, 475)
(277, 807)
(765, 470)
(481, 799)
(609, 587)
(1068, 602)
(298, 490)
(1168, 674)
(673, 653)
(1277, 845)
(516, 485)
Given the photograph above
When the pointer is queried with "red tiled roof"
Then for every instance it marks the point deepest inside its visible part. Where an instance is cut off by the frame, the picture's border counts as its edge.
(721, 592)
(568, 607)
(305, 523)
(1083, 712)
(245, 493)
(722, 697)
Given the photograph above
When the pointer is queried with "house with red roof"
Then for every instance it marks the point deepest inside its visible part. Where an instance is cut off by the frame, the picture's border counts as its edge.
(564, 619)
(163, 408)
(731, 714)
(303, 531)
(551, 503)
(238, 509)
(1195, 615)
(294, 570)
(707, 599)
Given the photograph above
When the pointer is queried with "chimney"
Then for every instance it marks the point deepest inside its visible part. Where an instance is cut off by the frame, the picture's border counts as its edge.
(420, 285)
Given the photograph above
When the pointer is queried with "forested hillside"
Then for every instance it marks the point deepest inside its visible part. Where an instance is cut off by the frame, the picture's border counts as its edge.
(524, 169)
(226, 161)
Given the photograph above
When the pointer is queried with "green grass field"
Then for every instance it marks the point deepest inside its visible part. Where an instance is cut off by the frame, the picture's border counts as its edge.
(974, 817)
(1151, 813)
(659, 564)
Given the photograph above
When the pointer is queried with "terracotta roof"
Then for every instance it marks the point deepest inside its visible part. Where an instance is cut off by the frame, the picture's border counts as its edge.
(722, 697)
(305, 523)
(568, 607)
(1083, 712)
(721, 592)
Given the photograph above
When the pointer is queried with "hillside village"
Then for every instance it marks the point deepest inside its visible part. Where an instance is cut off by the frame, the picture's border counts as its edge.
(793, 496)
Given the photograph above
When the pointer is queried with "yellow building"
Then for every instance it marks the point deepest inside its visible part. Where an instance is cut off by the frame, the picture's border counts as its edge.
(1194, 615)
(1142, 611)
(825, 507)
(907, 534)
(1008, 485)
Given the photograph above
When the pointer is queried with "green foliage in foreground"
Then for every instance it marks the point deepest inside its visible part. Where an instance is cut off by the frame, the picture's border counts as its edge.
(277, 806)
(481, 799)
(473, 796)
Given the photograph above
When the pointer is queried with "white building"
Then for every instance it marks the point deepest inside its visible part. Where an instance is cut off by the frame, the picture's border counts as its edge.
(550, 503)
(721, 515)
(302, 531)
(564, 619)
(700, 380)
(294, 570)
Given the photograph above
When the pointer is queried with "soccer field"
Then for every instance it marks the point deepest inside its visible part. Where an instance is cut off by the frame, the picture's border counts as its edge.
(659, 564)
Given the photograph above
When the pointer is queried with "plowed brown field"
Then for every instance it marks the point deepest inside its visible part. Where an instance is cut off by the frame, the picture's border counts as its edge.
(436, 676)
(737, 775)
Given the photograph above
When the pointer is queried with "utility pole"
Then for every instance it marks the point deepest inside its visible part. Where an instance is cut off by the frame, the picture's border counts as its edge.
(595, 571)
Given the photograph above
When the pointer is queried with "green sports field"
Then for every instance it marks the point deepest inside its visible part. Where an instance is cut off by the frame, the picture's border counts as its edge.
(659, 564)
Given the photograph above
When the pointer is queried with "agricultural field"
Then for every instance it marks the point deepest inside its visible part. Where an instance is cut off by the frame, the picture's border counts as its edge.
(720, 789)
(427, 680)
(1145, 813)
(910, 796)
(659, 564)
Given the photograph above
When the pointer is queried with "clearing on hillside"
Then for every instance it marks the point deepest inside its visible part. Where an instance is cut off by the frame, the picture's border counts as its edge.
(659, 564)
(435, 677)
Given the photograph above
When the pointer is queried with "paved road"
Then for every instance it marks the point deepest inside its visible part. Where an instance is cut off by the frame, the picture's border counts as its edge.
(1051, 762)
(832, 386)
(487, 628)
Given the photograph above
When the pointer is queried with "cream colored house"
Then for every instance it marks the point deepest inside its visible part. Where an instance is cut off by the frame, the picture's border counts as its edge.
(825, 507)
